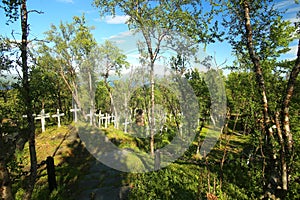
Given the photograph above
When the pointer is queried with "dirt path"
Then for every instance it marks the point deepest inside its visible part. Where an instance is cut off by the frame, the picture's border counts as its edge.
(102, 183)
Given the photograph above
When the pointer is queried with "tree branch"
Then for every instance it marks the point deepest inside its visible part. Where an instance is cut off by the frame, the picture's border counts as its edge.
(287, 99)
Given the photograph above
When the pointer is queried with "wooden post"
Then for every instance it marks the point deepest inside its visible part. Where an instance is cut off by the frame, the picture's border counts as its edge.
(51, 173)
(157, 160)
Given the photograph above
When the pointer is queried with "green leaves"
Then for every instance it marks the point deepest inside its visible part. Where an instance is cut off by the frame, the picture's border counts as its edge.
(187, 17)
(271, 34)
(11, 9)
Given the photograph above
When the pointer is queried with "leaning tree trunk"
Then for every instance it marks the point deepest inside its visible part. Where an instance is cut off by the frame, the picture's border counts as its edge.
(287, 137)
(27, 102)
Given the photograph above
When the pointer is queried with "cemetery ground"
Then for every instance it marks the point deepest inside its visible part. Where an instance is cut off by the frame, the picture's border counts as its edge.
(80, 176)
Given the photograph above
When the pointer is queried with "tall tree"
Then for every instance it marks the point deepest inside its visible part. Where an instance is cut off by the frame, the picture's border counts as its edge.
(53, 89)
(108, 60)
(12, 12)
(258, 33)
(70, 45)
(158, 21)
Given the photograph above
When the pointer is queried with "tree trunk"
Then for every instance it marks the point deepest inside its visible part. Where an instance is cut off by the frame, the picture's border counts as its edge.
(152, 58)
(287, 137)
(286, 102)
(284, 172)
(112, 103)
(152, 119)
(27, 102)
(5, 183)
(270, 178)
(6, 150)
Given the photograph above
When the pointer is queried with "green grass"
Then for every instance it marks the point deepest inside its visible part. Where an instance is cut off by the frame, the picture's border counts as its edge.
(68, 159)
(187, 178)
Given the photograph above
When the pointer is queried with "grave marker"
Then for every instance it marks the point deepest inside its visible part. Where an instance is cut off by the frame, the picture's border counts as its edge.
(114, 120)
(42, 117)
(58, 115)
(99, 115)
(90, 115)
(125, 125)
(75, 110)
(107, 117)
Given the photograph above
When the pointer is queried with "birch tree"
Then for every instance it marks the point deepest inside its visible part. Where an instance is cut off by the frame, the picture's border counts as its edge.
(259, 33)
(158, 21)
(70, 45)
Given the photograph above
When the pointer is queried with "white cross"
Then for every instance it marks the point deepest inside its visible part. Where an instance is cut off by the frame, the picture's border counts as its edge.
(107, 117)
(125, 125)
(90, 116)
(99, 118)
(42, 117)
(58, 115)
(113, 120)
(75, 110)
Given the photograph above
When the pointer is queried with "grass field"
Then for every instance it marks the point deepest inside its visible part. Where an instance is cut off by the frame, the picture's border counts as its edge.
(190, 177)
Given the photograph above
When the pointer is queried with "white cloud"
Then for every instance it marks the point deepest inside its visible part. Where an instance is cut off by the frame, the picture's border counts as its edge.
(122, 35)
(293, 19)
(118, 19)
(87, 11)
(293, 9)
(66, 1)
(283, 4)
(293, 50)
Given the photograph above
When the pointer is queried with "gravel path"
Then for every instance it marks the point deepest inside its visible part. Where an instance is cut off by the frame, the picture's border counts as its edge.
(102, 183)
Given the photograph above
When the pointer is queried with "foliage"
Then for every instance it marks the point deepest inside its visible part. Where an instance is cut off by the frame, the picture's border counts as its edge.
(272, 34)
(71, 48)
(174, 182)
(188, 16)
(102, 99)
(11, 9)
(71, 44)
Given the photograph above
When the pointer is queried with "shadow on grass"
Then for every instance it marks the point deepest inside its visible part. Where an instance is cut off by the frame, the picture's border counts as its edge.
(74, 176)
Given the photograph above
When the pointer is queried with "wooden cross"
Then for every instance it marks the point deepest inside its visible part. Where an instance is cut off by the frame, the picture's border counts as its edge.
(99, 118)
(107, 117)
(58, 115)
(42, 117)
(75, 110)
(90, 115)
(125, 125)
(113, 120)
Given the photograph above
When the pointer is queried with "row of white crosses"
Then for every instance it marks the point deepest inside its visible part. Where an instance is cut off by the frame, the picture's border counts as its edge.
(44, 115)
(105, 119)
(102, 118)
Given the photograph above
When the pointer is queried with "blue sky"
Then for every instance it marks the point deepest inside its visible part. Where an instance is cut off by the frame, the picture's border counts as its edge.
(64, 10)
(105, 28)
